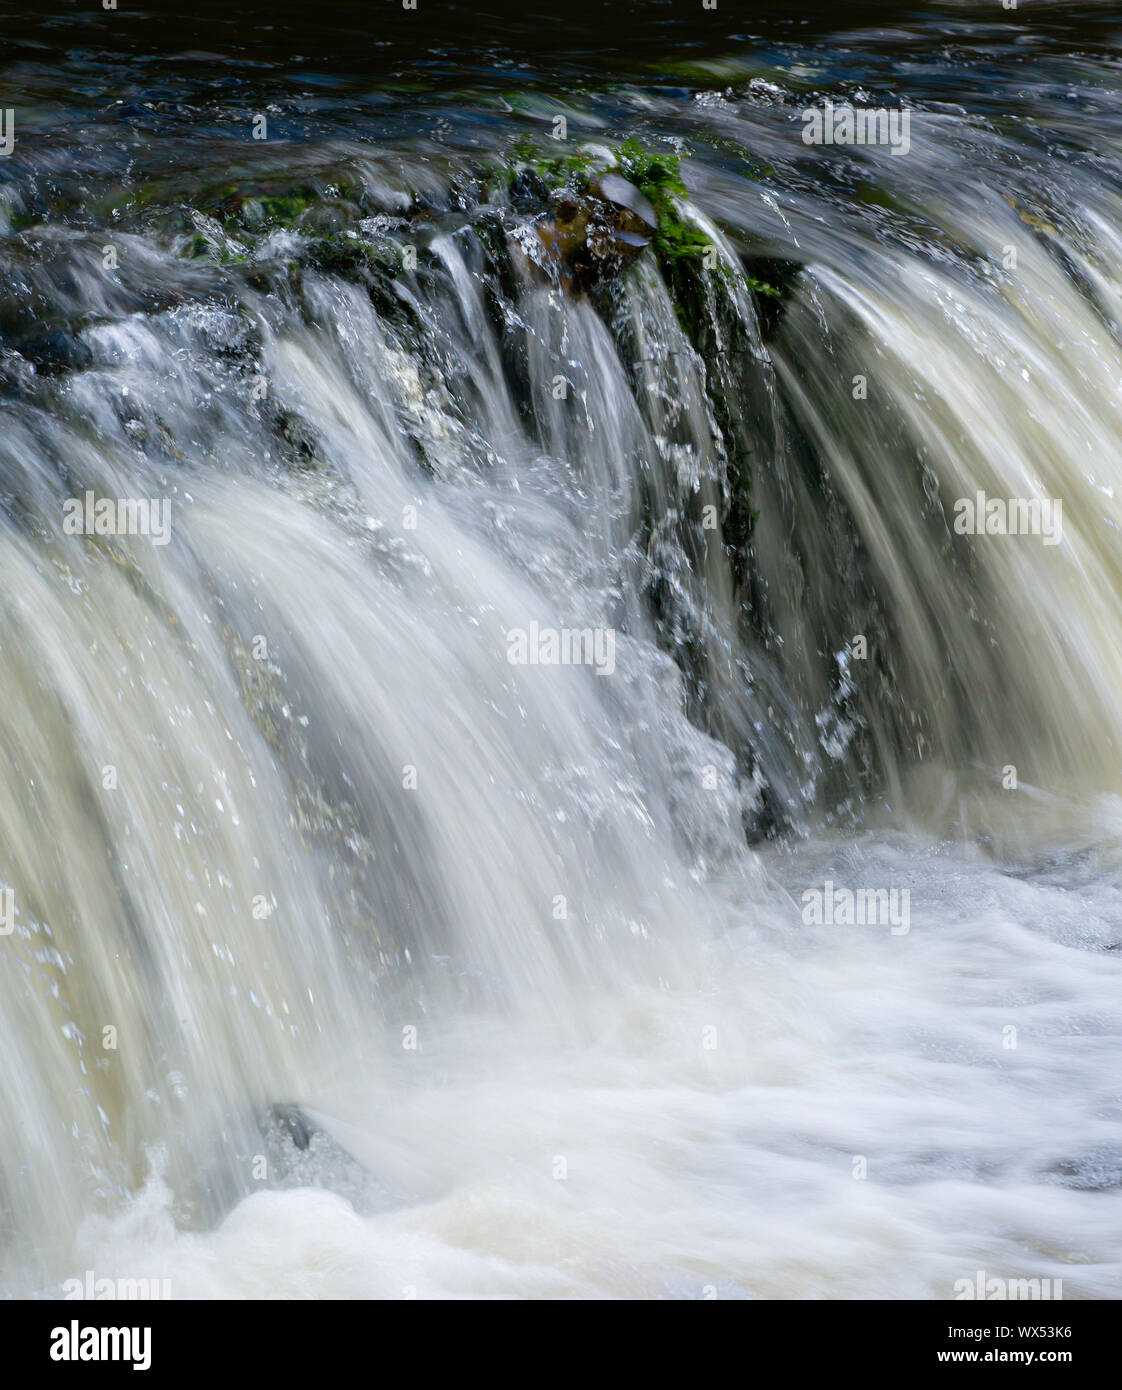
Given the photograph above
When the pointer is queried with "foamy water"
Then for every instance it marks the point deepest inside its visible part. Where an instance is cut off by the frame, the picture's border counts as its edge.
(709, 1128)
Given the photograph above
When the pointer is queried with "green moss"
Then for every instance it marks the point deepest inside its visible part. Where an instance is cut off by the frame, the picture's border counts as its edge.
(210, 248)
(748, 165)
(701, 70)
(677, 240)
(557, 169)
(762, 287)
(281, 211)
(657, 174)
(873, 196)
(350, 254)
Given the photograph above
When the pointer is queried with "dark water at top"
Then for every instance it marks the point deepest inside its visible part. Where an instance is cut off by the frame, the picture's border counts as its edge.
(142, 73)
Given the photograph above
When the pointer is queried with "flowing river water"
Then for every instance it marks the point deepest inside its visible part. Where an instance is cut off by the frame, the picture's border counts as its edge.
(283, 825)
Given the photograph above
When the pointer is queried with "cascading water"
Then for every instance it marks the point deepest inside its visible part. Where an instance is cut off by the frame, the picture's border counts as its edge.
(283, 823)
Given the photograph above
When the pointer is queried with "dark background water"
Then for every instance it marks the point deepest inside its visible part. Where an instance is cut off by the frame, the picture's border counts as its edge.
(447, 43)
(136, 90)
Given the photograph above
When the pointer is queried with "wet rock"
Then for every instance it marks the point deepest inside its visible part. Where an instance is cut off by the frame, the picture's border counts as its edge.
(528, 191)
(301, 1153)
(289, 1120)
(626, 196)
(50, 351)
(595, 234)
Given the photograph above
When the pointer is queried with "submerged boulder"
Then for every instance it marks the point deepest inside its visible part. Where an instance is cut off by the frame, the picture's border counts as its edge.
(301, 1153)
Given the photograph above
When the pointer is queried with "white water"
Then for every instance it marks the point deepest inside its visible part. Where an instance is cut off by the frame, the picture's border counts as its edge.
(730, 1170)
(707, 1066)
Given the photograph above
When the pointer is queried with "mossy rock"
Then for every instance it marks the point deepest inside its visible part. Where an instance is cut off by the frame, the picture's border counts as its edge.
(656, 174)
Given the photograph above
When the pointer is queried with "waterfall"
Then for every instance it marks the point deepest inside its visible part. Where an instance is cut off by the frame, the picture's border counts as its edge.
(515, 660)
